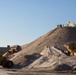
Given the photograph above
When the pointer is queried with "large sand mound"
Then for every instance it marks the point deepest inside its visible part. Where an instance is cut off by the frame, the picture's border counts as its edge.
(57, 37)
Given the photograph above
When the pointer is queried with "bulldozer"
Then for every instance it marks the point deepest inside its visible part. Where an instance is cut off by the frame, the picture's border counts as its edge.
(71, 47)
(4, 61)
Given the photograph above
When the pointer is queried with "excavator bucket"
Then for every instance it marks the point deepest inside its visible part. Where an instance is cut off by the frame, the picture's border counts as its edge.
(71, 47)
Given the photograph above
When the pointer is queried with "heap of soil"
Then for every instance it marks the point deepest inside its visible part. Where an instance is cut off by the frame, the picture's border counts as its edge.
(57, 37)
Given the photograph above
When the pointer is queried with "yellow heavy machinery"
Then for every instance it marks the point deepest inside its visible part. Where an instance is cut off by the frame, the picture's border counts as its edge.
(71, 24)
(4, 61)
(71, 47)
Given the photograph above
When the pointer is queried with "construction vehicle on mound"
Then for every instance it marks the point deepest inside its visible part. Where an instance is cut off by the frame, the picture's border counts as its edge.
(4, 61)
(70, 24)
(71, 47)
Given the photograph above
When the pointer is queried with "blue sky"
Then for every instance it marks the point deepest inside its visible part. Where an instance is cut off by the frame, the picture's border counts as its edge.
(22, 21)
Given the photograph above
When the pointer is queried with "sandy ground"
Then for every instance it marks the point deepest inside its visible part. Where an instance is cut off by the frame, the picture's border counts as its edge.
(41, 73)
(4, 71)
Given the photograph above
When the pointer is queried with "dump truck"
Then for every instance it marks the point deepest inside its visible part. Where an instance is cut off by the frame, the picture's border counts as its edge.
(4, 61)
(71, 47)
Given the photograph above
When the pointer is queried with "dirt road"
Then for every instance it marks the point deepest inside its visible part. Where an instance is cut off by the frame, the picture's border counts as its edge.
(4, 71)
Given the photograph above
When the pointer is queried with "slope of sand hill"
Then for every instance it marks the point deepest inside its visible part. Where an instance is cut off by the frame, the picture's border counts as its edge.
(56, 37)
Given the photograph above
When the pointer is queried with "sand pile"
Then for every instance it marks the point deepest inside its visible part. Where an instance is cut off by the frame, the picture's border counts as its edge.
(47, 59)
(57, 37)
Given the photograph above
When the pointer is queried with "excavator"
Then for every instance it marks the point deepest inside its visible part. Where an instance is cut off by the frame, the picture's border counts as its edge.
(4, 61)
(70, 24)
(71, 47)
